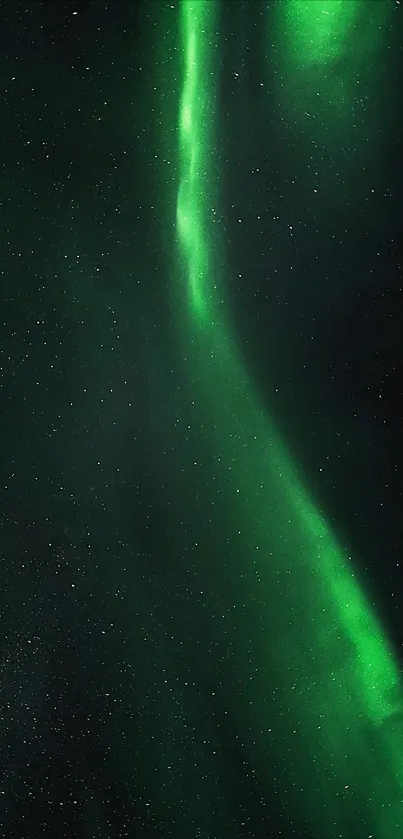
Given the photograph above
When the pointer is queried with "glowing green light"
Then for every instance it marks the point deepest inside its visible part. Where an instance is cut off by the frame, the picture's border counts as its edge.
(320, 29)
(336, 668)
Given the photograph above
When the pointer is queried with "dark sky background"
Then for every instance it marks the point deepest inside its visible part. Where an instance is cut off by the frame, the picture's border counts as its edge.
(102, 598)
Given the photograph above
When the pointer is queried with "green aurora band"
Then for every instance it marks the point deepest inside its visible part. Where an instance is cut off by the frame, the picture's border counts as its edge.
(336, 742)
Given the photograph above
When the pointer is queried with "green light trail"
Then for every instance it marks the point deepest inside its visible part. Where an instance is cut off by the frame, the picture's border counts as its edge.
(194, 125)
(341, 742)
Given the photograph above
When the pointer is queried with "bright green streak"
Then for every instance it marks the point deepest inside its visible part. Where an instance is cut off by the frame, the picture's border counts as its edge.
(194, 124)
(337, 670)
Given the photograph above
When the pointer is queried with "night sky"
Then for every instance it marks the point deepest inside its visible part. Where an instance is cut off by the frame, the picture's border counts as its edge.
(201, 401)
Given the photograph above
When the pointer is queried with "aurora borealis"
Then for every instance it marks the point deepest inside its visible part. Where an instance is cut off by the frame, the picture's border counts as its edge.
(210, 653)
(328, 618)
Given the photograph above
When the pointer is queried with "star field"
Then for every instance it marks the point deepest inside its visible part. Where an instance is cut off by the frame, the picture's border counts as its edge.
(200, 391)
